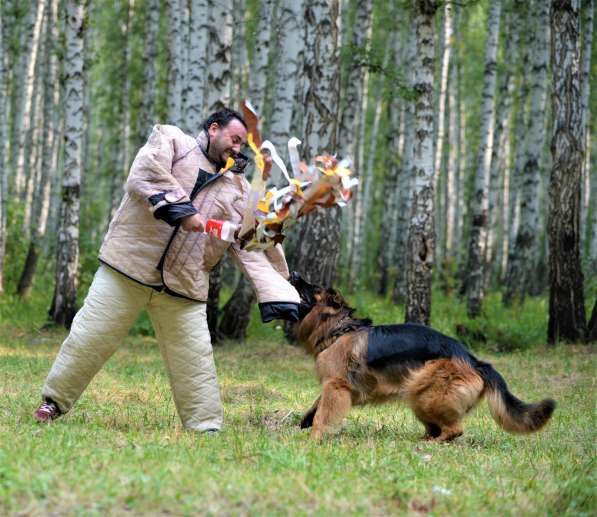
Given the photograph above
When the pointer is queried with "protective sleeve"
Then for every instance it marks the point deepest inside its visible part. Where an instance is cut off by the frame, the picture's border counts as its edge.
(150, 177)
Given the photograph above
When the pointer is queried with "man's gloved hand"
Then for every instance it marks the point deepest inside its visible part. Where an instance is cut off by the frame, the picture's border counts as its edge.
(193, 223)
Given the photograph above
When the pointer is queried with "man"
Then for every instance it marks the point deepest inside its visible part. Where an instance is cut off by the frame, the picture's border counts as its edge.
(155, 256)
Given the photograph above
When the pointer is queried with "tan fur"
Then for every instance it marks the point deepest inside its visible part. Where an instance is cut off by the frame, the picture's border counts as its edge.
(440, 392)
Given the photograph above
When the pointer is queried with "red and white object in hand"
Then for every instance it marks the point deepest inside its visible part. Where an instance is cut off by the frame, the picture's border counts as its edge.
(223, 230)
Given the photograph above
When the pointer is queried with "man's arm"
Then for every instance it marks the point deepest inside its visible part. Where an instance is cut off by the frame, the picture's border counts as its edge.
(151, 179)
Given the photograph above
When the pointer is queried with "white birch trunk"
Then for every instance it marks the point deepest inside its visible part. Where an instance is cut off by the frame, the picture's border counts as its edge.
(524, 257)
(33, 139)
(218, 87)
(24, 138)
(147, 111)
(453, 192)
(65, 294)
(3, 162)
(290, 28)
(394, 145)
(477, 239)
(567, 321)
(320, 233)
(405, 176)
(176, 62)
(443, 87)
(239, 61)
(198, 49)
(41, 197)
(351, 108)
(501, 135)
(260, 65)
(421, 233)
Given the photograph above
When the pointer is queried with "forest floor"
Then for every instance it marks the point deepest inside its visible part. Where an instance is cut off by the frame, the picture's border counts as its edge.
(122, 451)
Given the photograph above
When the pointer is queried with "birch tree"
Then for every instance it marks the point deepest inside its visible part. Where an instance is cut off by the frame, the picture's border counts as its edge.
(218, 87)
(176, 71)
(218, 95)
(41, 196)
(290, 30)
(24, 136)
(147, 111)
(566, 297)
(3, 164)
(524, 257)
(421, 233)
(501, 135)
(405, 176)
(239, 58)
(197, 65)
(320, 234)
(64, 300)
(260, 65)
(477, 238)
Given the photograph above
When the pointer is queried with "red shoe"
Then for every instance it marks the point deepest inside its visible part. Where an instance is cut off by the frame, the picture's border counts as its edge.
(46, 412)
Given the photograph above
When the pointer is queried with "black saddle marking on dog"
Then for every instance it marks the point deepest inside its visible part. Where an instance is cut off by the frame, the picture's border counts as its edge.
(411, 343)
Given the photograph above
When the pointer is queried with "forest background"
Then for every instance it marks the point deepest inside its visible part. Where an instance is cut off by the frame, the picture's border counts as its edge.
(472, 129)
(444, 108)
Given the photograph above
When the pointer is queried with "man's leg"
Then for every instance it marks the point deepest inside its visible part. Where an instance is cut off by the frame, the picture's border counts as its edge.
(110, 309)
(181, 329)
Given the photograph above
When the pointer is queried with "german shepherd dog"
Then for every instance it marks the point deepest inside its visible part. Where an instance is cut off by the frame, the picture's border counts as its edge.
(434, 374)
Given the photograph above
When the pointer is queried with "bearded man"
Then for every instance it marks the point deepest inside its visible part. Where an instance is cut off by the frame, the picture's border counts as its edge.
(157, 256)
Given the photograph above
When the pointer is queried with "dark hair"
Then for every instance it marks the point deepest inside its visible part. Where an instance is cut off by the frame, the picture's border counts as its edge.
(223, 117)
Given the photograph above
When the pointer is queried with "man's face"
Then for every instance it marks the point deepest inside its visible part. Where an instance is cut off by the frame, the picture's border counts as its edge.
(225, 141)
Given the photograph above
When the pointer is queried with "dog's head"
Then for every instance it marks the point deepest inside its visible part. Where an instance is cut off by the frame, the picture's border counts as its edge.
(313, 295)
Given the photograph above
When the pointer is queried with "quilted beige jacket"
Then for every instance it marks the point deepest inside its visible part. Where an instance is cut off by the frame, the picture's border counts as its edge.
(171, 168)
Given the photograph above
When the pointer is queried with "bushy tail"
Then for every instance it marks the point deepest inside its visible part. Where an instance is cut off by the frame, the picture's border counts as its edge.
(512, 414)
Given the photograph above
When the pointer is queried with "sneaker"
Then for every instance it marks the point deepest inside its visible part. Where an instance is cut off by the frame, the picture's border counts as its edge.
(46, 412)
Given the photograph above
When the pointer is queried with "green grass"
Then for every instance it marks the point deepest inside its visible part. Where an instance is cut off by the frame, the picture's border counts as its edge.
(122, 449)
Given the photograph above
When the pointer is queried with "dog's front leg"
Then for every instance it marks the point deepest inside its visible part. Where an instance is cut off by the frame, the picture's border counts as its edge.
(334, 404)
(307, 420)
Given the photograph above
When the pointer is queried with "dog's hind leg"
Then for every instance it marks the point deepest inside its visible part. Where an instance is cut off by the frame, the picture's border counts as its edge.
(334, 404)
(307, 420)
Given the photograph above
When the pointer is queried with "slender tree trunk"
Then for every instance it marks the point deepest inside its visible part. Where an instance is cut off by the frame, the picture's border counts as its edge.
(524, 258)
(477, 238)
(421, 233)
(394, 141)
(364, 200)
(501, 136)
(260, 66)
(290, 31)
(123, 144)
(41, 197)
(64, 301)
(147, 111)
(352, 93)
(239, 60)
(220, 40)
(176, 71)
(197, 65)
(320, 232)
(236, 314)
(3, 163)
(24, 137)
(566, 298)
(218, 96)
(405, 176)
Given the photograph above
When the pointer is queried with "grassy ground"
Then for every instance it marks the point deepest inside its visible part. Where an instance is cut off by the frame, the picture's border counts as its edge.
(122, 450)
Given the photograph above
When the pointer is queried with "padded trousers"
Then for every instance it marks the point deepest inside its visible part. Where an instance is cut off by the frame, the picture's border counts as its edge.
(111, 307)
